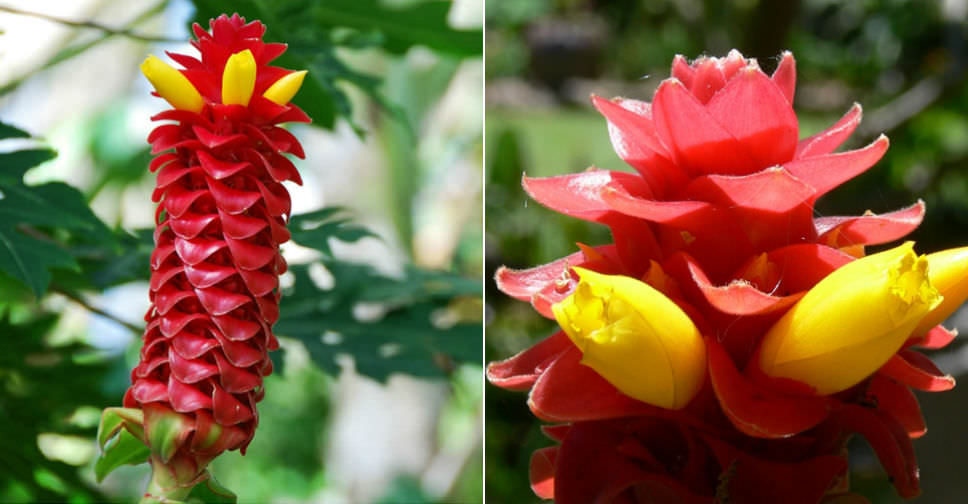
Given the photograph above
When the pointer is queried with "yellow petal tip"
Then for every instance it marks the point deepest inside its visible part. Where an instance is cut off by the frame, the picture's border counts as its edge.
(948, 271)
(284, 89)
(851, 322)
(172, 85)
(238, 78)
(635, 337)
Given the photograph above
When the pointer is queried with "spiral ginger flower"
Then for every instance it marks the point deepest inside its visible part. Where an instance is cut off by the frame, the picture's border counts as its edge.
(222, 213)
(788, 338)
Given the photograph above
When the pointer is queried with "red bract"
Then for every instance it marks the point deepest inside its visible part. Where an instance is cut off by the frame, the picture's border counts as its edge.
(719, 218)
(214, 272)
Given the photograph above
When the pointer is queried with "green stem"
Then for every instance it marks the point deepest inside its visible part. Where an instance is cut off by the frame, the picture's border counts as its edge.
(107, 30)
(163, 488)
(75, 50)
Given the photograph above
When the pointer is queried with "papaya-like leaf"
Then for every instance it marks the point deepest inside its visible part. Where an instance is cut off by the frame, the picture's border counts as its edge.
(316, 229)
(34, 219)
(414, 328)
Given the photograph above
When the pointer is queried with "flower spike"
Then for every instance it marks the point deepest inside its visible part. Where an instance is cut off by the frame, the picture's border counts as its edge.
(635, 337)
(238, 79)
(222, 213)
(806, 341)
(285, 88)
(172, 85)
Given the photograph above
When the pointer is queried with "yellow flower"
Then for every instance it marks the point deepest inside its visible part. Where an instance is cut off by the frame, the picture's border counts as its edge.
(948, 272)
(172, 85)
(634, 337)
(238, 78)
(850, 323)
(281, 91)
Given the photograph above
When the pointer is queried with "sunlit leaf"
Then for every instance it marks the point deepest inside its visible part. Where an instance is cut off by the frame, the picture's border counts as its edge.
(14, 164)
(419, 23)
(406, 330)
(316, 229)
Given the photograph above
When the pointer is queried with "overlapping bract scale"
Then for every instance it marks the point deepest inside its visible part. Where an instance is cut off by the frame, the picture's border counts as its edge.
(222, 212)
(719, 217)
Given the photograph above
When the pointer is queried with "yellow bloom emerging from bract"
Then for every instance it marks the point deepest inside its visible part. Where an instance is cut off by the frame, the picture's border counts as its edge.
(634, 337)
(238, 78)
(948, 272)
(850, 323)
(174, 87)
(285, 88)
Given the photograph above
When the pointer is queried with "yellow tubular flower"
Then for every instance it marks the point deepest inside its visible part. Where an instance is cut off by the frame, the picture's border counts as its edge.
(238, 78)
(174, 87)
(948, 272)
(634, 337)
(850, 323)
(285, 88)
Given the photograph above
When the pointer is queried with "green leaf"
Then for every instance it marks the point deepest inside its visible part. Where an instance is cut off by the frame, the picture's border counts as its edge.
(316, 229)
(113, 419)
(108, 428)
(421, 23)
(407, 337)
(8, 131)
(105, 266)
(41, 388)
(52, 205)
(125, 449)
(13, 165)
(28, 259)
(35, 221)
(211, 491)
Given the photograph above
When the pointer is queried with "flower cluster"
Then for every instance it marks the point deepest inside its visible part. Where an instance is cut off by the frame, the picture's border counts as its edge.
(728, 343)
(214, 272)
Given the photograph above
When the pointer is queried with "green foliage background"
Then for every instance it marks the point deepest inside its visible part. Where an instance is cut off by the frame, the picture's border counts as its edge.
(903, 60)
(56, 252)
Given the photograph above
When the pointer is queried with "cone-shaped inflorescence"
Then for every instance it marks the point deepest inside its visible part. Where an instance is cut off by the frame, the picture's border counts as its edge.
(728, 343)
(222, 213)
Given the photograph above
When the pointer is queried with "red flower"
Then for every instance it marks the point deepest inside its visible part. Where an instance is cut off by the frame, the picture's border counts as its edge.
(719, 219)
(214, 272)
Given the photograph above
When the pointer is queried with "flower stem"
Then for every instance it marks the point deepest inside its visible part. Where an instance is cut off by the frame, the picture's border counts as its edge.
(125, 32)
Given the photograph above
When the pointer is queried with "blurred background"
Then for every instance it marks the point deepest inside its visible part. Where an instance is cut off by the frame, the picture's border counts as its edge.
(377, 390)
(903, 60)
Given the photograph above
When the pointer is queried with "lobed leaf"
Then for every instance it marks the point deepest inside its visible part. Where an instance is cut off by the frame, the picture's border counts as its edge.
(406, 334)
(316, 229)
(35, 219)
